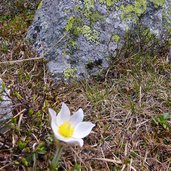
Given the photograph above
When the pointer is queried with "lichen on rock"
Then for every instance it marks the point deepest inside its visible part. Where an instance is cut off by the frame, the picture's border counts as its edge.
(69, 34)
(157, 3)
(91, 35)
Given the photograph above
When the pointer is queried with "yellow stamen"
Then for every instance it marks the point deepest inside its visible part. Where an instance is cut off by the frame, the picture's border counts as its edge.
(66, 130)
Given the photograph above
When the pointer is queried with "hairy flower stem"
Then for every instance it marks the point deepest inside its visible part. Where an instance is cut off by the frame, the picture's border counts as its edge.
(55, 161)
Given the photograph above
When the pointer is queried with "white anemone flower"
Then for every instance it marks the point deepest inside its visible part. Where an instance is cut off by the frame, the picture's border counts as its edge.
(70, 129)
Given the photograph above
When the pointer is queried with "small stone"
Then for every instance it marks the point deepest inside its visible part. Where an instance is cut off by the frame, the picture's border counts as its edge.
(5, 107)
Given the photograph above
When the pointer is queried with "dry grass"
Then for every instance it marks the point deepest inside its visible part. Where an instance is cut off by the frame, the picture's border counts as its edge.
(127, 105)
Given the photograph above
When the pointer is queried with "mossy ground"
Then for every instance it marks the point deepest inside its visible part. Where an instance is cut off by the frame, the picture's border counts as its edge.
(130, 104)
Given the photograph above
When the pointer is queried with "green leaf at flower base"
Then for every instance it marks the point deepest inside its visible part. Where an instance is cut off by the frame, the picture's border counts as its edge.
(3, 85)
(162, 120)
(21, 145)
(17, 94)
(77, 167)
(41, 149)
(24, 161)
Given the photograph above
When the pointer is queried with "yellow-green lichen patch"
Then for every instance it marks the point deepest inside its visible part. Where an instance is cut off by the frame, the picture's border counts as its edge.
(70, 73)
(108, 3)
(157, 3)
(128, 8)
(91, 35)
(40, 5)
(73, 26)
(89, 4)
(133, 11)
(95, 16)
(72, 42)
(116, 38)
(76, 27)
(77, 8)
(169, 11)
(90, 15)
(69, 23)
(167, 23)
(140, 7)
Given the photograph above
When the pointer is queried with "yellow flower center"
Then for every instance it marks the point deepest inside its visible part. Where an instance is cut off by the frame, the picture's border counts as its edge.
(66, 130)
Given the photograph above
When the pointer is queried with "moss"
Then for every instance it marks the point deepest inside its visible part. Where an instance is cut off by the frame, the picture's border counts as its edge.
(116, 38)
(11, 26)
(146, 42)
(5, 18)
(4, 47)
(157, 3)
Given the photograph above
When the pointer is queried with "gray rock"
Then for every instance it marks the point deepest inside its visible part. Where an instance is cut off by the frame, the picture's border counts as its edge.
(82, 35)
(5, 106)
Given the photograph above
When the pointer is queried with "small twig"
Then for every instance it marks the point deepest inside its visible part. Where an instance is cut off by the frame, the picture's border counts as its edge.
(4, 145)
(20, 119)
(44, 75)
(123, 167)
(105, 161)
(20, 60)
(14, 117)
(140, 95)
(126, 149)
(34, 158)
(76, 154)
(109, 160)
(131, 167)
(3, 167)
(13, 139)
(35, 138)
(36, 58)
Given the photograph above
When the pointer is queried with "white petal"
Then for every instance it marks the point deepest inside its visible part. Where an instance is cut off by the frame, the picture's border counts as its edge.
(72, 141)
(53, 120)
(63, 115)
(54, 127)
(52, 114)
(77, 117)
(83, 129)
(75, 141)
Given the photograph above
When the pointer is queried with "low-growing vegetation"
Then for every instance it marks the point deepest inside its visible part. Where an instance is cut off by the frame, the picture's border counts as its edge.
(130, 103)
